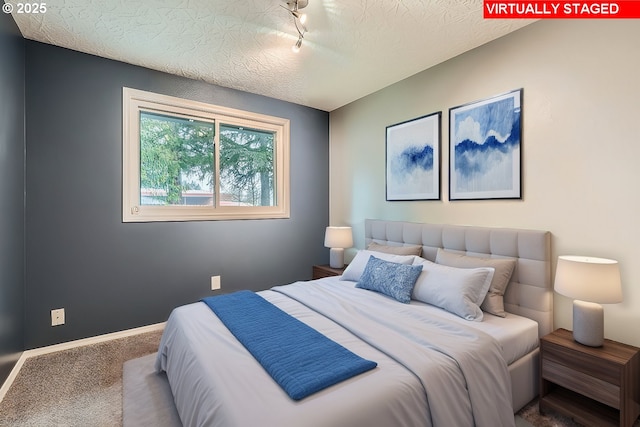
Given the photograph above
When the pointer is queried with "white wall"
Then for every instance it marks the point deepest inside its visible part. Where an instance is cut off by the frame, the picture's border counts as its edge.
(581, 147)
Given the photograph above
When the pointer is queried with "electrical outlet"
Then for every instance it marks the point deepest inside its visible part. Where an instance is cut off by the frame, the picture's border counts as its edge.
(57, 317)
(215, 283)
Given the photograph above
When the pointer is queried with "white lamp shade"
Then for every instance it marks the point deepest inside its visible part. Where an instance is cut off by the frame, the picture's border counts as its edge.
(338, 237)
(589, 279)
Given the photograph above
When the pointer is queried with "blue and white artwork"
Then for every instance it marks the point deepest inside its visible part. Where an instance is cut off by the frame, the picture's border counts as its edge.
(485, 142)
(413, 159)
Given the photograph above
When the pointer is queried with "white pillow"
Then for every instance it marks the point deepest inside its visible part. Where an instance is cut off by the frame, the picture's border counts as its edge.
(494, 302)
(356, 267)
(457, 290)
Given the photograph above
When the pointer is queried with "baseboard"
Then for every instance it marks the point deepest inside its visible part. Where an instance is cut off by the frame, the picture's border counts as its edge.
(12, 376)
(94, 340)
(72, 344)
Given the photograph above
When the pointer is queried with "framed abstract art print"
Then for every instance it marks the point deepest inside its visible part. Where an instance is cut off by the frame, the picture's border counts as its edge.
(413, 159)
(485, 139)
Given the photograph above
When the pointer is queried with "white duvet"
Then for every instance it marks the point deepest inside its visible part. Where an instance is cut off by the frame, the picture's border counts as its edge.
(431, 372)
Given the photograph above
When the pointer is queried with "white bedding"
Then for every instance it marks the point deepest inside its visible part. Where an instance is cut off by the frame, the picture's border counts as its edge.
(216, 382)
(517, 335)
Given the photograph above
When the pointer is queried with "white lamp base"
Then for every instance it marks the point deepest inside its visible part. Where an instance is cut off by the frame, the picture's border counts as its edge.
(588, 323)
(336, 258)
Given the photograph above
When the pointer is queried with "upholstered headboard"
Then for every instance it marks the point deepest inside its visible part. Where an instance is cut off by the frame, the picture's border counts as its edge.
(530, 292)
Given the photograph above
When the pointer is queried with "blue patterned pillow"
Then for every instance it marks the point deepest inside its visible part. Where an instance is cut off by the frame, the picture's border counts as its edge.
(390, 278)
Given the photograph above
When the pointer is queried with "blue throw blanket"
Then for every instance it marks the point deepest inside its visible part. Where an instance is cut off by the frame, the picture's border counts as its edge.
(299, 358)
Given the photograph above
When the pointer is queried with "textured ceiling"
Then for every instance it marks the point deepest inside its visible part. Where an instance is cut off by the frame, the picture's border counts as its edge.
(353, 47)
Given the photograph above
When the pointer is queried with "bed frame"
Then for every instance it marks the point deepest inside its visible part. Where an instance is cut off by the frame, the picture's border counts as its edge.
(530, 291)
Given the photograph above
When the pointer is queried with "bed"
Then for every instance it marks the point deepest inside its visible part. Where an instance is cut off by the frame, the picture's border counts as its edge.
(433, 366)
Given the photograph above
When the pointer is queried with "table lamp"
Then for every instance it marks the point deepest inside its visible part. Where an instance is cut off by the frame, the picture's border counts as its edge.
(590, 282)
(337, 238)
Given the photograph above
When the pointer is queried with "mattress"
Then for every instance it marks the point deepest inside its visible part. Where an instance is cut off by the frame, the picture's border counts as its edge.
(418, 382)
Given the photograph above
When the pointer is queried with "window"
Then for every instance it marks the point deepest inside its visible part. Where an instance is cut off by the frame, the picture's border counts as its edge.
(185, 160)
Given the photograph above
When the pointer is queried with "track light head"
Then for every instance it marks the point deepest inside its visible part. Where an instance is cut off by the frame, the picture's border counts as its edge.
(296, 47)
(302, 17)
(297, 4)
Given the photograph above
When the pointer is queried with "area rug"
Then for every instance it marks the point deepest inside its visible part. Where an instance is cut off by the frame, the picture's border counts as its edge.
(146, 396)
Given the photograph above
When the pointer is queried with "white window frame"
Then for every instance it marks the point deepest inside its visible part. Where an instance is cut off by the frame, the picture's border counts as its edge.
(134, 101)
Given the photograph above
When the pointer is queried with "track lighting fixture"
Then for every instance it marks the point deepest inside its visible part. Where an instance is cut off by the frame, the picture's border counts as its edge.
(296, 47)
(299, 18)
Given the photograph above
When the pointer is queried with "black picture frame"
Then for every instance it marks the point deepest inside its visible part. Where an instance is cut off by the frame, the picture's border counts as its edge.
(485, 148)
(413, 159)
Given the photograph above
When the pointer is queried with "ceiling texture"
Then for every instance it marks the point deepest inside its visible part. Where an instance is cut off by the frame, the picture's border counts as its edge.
(352, 48)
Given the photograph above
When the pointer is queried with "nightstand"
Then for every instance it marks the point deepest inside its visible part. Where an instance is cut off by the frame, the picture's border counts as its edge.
(596, 386)
(320, 271)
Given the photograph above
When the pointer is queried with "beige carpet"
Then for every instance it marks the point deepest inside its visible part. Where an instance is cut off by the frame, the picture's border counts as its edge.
(78, 387)
(83, 387)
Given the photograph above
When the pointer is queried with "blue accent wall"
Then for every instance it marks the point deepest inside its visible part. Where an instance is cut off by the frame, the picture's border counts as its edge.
(12, 169)
(108, 275)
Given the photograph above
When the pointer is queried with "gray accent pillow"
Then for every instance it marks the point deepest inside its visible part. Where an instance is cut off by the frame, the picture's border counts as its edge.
(494, 301)
(356, 267)
(397, 250)
(390, 278)
(458, 290)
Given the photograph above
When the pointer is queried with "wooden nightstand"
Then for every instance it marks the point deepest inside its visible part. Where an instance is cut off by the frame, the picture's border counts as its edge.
(596, 386)
(320, 271)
